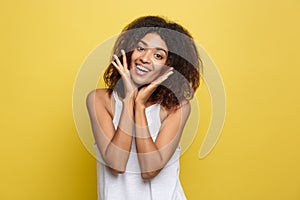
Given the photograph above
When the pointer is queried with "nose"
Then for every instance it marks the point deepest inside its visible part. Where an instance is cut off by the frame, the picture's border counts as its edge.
(146, 56)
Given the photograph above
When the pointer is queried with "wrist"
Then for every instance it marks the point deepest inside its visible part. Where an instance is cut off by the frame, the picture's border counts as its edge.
(139, 106)
(128, 100)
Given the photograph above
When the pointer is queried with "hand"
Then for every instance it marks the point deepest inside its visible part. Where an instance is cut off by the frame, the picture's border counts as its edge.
(129, 87)
(144, 93)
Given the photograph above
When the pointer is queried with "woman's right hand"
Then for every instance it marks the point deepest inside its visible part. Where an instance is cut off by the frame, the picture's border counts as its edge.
(129, 87)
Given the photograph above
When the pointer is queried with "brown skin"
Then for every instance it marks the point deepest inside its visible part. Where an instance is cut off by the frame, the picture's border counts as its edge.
(153, 156)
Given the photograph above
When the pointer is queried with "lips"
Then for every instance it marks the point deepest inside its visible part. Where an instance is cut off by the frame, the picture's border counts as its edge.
(142, 70)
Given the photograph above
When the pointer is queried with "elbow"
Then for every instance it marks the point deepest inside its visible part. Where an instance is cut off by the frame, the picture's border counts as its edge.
(149, 175)
(117, 171)
(116, 168)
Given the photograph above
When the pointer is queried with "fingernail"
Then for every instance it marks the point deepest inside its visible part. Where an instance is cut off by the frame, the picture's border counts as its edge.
(122, 51)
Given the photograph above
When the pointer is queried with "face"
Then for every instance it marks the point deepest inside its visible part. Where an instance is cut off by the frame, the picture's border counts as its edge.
(148, 59)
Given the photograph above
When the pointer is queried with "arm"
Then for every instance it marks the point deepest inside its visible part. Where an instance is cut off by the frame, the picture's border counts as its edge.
(114, 145)
(153, 156)
(111, 143)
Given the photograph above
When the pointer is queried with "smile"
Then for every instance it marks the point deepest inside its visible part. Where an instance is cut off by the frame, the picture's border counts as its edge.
(142, 69)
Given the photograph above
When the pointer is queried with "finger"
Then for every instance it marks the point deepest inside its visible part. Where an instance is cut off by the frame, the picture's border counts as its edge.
(117, 67)
(147, 91)
(124, 59)
(168, 70)
(117, 60)
(162, 78)
(168, 73)
(150, 88)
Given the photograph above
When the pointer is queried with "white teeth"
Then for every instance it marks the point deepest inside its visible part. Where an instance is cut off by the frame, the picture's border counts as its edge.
(141, 68)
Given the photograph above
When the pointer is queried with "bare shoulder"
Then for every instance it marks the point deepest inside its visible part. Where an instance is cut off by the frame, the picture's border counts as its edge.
(183, 108)
(185, 105)
(99, 97)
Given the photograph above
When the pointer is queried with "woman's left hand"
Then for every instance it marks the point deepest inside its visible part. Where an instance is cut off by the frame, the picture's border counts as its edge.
(144, 93)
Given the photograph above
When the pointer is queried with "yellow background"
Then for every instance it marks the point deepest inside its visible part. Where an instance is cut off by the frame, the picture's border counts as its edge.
(255, 45)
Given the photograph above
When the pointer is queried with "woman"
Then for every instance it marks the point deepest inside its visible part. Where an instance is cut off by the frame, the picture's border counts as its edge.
(138, 120)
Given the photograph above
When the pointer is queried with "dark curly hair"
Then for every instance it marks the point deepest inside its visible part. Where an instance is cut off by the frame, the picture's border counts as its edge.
(182, 56)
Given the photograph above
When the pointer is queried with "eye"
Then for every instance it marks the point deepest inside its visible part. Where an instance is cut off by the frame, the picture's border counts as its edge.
(140, 48)
(158, 56)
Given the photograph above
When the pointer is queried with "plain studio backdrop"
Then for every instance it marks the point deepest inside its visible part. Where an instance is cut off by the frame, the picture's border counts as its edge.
(254, 44)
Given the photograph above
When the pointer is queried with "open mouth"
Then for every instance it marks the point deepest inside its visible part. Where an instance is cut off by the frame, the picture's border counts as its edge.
(142, 69)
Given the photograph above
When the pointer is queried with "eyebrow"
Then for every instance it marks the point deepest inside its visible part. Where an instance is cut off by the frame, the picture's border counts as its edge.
(158, 48)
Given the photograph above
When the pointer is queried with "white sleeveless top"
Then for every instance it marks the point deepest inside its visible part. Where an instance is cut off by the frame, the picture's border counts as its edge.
(130, 185)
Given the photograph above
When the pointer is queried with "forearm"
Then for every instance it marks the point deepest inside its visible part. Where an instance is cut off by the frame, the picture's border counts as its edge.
(149, 156)
(118, 150)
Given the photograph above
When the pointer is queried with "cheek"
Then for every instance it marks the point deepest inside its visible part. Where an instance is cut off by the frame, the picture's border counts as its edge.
(131, 64)
(133, 57)
(160, 68)
(157, 73)
(135, 54)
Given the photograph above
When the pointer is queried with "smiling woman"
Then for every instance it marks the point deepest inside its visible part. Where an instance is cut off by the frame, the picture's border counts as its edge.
(148, 59)
(138, 120)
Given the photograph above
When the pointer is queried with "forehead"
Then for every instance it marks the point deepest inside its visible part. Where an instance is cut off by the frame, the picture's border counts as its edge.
(154, 40)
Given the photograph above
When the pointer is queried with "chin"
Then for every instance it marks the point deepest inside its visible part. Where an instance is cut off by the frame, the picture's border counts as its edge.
(140, 83)
(140, 80)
